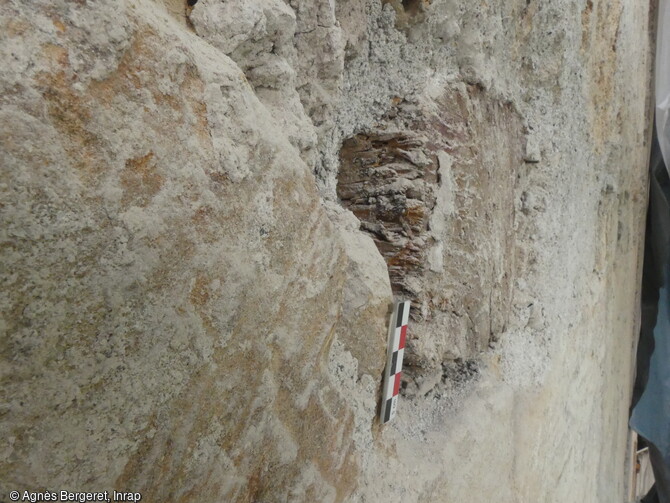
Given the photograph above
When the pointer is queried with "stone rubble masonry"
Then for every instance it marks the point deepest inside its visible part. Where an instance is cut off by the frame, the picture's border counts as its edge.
(206, 212)
(434, 194)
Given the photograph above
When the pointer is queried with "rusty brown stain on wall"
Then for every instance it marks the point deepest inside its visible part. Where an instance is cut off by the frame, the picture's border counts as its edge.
(140, 180)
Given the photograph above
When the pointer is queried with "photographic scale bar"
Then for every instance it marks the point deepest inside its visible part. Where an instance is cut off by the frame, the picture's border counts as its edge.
(393, 371)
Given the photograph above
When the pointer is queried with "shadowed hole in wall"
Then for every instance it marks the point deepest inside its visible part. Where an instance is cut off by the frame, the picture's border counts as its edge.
(408, 12)
(412, 6)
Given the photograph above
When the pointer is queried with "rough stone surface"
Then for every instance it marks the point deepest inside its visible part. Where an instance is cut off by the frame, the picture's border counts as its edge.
(206, 212)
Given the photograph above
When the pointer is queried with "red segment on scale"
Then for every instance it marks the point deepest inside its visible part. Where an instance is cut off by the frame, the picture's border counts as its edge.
(396, 384)
(403, 334)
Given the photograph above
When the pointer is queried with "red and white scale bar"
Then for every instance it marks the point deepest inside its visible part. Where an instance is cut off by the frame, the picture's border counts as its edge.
(396, 350)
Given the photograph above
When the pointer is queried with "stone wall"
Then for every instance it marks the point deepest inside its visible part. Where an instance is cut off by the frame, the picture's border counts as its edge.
(206, 212)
